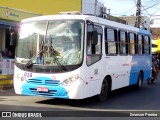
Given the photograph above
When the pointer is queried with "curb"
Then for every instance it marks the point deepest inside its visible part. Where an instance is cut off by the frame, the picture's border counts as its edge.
(5, 76)
(6, 82)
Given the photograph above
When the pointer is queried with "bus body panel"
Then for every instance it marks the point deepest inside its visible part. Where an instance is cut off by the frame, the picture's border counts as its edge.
(51, 83)
(143, 64)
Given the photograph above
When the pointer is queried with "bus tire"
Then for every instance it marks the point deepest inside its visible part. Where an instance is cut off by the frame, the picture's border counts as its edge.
(139, 81)
(105, 88)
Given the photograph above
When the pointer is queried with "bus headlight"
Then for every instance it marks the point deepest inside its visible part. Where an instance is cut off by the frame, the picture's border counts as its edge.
(71, 79)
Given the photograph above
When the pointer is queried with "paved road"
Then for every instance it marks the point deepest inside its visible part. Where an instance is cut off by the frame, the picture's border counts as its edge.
(147, 98)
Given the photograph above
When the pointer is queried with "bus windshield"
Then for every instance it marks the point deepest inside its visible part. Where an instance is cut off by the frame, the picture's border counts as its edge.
(60, 40)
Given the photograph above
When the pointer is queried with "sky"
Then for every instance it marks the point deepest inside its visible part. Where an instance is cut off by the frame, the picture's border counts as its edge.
(128, 7)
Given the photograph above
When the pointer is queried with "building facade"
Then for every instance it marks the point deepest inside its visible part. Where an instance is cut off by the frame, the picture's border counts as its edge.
(9, 20)
(44, 7)
(145, 21)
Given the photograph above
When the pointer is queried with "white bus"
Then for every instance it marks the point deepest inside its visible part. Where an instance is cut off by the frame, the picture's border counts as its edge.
(79, 56)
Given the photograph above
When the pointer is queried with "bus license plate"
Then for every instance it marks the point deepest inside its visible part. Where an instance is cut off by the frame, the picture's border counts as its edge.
(42, 89)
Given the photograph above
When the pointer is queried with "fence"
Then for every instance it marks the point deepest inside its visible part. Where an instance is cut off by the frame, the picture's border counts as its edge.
(6, 73)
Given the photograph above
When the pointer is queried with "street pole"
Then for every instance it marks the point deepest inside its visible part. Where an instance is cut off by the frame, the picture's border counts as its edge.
(95, 7)
(138, 13)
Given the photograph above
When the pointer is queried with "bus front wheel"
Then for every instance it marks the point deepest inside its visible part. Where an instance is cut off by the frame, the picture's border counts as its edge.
(104, 91)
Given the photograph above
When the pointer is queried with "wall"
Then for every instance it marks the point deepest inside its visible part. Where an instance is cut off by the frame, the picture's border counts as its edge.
(88, 7)
(44, 7)
(14, 14)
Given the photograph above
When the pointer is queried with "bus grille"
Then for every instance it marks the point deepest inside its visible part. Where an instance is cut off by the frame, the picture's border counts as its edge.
(44, 82)
(50, 93)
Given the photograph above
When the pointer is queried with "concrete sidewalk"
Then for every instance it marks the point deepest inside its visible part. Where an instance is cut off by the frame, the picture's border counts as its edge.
(6, 82)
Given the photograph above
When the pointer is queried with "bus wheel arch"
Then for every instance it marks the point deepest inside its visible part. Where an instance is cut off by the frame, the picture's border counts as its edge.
(105, 88)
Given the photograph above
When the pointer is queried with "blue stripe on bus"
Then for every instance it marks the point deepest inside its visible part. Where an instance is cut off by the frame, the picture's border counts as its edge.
(144, 32)
(144, 64)
(53, 91)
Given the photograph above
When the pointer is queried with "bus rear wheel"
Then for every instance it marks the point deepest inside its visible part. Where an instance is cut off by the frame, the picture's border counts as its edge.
(104, 91)
(139, 81)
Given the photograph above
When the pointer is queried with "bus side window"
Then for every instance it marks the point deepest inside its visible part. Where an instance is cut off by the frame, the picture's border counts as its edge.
(94, 48)
(140, 44)
(110, 41)
(123, 42)
(146, 45)
(89, 37)
(132, 38)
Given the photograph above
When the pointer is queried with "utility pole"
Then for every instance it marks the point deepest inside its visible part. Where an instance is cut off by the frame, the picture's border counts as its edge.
(95, 7)
(138, 14)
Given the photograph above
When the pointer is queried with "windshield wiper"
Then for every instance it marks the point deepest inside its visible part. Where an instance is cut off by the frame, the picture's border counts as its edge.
(56, 59)
(30, 63)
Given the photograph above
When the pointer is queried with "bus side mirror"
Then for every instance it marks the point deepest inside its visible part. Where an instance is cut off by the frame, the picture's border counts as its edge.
(94, 37)
(13, 39)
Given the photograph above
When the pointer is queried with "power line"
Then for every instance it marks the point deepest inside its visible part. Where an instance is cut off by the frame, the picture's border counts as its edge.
(146, 7)
(128, 10)
(154, 13)
(151, 2)
(153, 5)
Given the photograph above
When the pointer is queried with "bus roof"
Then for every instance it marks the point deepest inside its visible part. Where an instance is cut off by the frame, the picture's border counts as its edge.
(92, 18)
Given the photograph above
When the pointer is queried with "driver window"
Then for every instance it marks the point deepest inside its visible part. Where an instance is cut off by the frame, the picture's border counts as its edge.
(93, 50)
